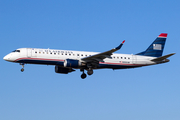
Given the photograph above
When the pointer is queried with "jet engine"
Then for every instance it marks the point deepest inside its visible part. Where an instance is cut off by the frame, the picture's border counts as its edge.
(63, 70)
(72, 63)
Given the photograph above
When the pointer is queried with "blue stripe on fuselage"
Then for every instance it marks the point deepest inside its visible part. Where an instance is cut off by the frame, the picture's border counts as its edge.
(46, 62)
(116, 66)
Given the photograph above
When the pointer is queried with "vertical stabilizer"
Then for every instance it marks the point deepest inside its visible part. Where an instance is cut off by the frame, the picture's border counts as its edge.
(157, 47)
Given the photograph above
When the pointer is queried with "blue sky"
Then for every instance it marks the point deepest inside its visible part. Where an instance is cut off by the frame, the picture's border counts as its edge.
(150, 93)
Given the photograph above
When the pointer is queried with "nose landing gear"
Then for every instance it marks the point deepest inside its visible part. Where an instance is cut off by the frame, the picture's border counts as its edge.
(22, 69)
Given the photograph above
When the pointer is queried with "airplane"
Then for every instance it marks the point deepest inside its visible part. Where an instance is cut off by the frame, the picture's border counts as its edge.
(66, 61)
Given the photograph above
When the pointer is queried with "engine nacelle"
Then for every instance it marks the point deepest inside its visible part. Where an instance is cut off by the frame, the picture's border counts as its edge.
(72, 63)
(63, 70)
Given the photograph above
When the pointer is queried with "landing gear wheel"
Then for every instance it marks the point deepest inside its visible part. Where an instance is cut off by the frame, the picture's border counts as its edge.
(83, 76)
(22, 69)
(90, 72)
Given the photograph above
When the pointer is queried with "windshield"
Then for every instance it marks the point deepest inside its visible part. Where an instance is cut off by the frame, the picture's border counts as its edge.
(16, 51)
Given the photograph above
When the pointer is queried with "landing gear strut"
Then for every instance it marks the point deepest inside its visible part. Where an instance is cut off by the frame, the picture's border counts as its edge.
(22, 69)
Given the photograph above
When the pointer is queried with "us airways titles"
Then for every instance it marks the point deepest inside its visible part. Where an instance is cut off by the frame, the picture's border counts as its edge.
(54, 51)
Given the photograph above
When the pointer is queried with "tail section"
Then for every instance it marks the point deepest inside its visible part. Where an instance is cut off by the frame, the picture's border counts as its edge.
(156, 48)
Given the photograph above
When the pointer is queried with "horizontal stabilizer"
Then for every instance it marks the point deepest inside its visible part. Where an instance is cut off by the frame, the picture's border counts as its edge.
(162, 57)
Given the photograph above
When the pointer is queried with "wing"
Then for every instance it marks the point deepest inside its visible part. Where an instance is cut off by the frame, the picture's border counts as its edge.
(99, 57)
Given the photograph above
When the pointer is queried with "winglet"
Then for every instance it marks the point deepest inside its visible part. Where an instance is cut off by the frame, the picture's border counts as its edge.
(119, 47)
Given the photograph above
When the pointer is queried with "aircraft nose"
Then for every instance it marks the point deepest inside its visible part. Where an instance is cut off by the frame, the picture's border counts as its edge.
(6, 57)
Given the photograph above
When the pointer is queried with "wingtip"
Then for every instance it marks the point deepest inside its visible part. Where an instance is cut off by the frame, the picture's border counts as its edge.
(119, 47)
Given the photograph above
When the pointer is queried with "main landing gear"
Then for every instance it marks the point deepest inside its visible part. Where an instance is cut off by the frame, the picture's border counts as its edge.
(22, 69)
(89, 72)
(83, 76)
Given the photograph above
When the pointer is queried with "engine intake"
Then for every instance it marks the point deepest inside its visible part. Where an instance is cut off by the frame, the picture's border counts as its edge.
(72, 63)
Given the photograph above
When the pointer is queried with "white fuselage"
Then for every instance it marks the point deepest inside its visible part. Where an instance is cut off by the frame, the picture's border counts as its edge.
(66, 61)
(57, 57)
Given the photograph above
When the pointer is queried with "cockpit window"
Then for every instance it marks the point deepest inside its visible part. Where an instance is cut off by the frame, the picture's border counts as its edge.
(16, 51)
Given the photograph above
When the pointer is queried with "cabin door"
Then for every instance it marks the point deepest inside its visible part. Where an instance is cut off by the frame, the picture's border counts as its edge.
(29, 52)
